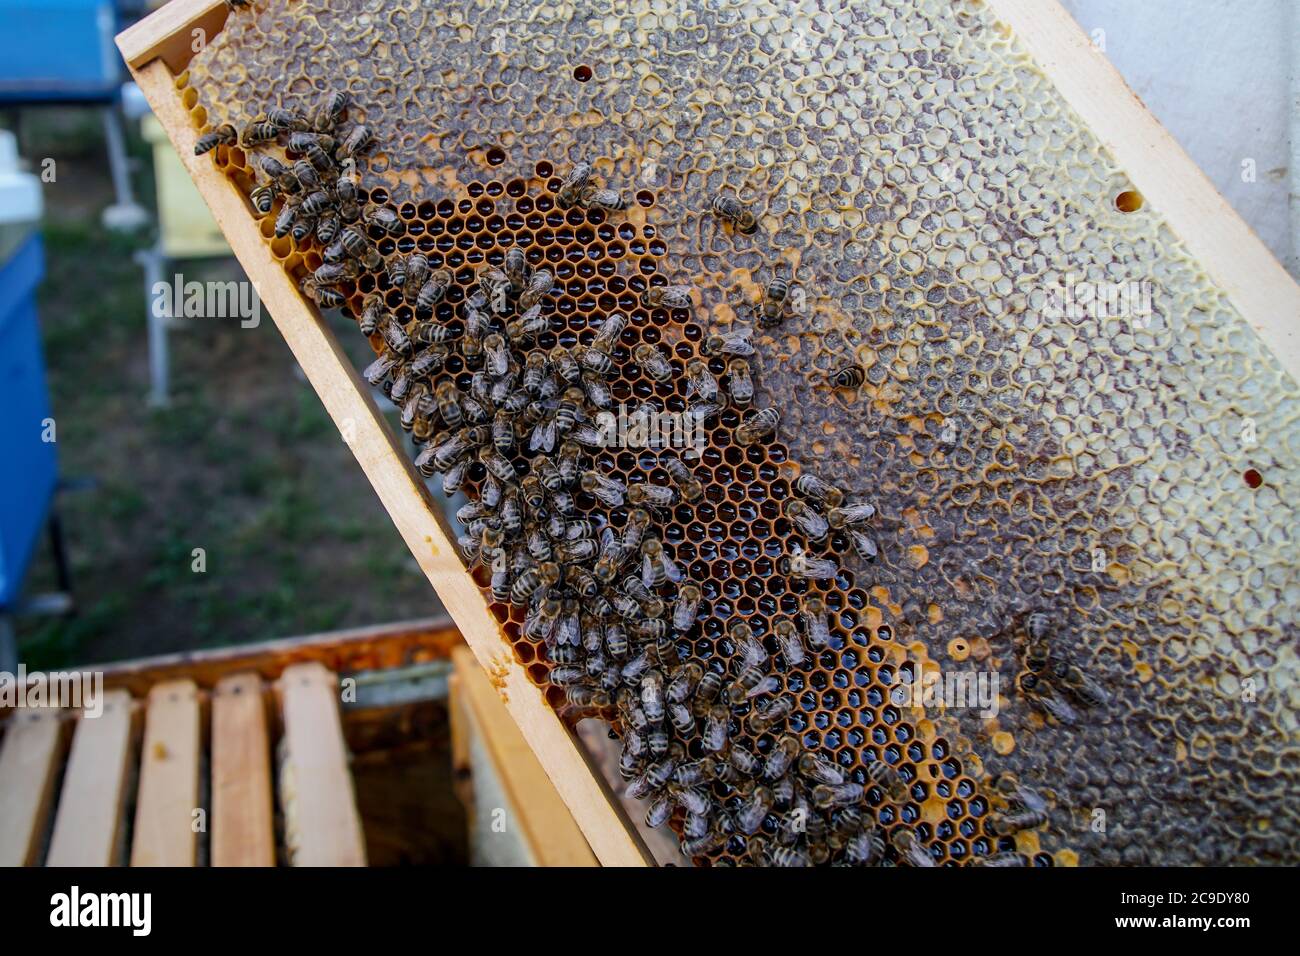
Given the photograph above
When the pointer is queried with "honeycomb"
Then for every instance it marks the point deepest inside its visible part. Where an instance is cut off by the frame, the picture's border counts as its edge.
(923, 188)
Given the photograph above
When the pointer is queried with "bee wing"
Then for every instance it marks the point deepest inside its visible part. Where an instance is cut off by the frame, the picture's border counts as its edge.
(647, 571)
(671, 569)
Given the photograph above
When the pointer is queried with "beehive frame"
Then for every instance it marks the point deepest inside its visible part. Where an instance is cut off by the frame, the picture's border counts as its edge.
(1235, 259)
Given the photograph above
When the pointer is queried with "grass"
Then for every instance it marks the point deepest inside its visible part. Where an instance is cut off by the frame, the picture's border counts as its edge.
(244, 463)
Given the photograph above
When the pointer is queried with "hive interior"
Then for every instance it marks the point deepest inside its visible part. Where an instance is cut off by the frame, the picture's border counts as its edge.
(925, 187)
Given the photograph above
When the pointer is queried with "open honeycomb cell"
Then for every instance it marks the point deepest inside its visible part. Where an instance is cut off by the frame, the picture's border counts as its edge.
(923, 188)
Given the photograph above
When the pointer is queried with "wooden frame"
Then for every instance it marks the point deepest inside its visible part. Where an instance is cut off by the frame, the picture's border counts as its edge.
(1253, 280)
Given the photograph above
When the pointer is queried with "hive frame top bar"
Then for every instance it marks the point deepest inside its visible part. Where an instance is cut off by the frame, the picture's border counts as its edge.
(1225, 246)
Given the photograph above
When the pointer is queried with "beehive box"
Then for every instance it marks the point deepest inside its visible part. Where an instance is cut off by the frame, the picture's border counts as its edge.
(935, 181)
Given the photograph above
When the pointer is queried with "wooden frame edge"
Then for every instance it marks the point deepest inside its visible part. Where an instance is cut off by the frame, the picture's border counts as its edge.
(348, 402)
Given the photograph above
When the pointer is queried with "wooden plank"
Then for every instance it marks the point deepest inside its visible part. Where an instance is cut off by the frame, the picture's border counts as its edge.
(357, 649)
(87, 825)
(550, 831)
(168, 33)
(316, 793)
(165, 834)
(242, 830)
(29, 763)
(1232, 255)
(421, 523)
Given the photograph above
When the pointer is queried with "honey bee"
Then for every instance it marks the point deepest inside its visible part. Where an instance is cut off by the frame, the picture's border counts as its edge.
(288, 216)
(593, 360)
(1000, 860)
(701, 380)
(302, 228)
(611, 330)
(653, 362)
(685, 679)
(412, 269)
(764, 719)
(690, 487)
(780, 758)
(447, 396)
(1042, 695)
(851, 376)
(814, 488)
(258, 132)
(316, 203)
(1039, 626)
(383, 217)
(741, 384)
(813, 614)
(223, 135)
(301, 142)
(864, 545)
(348, 181)
(598, 393)
(772, 309)
(652, 495)
(305, 175)
(358, 141)
(667, 297)
(327, 115)
(865, 849)
(534, 581)
(539, 285)
(716, 728)
(806, 518)
(573, 185)
(819, 770)
(657, 568)
(323, 296)
(372, 313)
(829, 796)
(791, 643)
(327, 227)
(754, 810)
(497, 464)
(1027, 810)
(528, 326)
(760, 427)
(333, 273)
(516, 269)
(263, 196)
(912, 850)
(737, 342)
(850, 515)
(606, 490)
(888, 779)
(686, 607)
(638, 521)
(433, 290)
(425, 363)
(730, 209)
(611, 200)
(1082, 686)
(286, 120)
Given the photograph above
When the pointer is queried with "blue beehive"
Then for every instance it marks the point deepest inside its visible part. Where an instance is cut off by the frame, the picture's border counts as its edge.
(58, 50)
(27, 460)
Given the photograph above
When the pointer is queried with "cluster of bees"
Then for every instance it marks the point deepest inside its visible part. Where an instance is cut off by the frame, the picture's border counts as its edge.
(608, 606)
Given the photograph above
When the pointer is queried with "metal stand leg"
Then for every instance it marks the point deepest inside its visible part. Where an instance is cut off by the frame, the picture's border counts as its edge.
(126, 214)
(8, 645)
(59, 549)
(158, 315)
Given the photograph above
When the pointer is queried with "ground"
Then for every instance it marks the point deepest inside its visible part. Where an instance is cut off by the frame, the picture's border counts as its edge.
(245, 463)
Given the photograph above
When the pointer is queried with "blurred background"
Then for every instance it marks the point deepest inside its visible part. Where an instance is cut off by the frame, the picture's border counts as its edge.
(222, 447)
(169, 484)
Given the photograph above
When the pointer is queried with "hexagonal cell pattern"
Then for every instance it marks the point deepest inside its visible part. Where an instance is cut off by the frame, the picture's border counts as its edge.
(924, 192)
